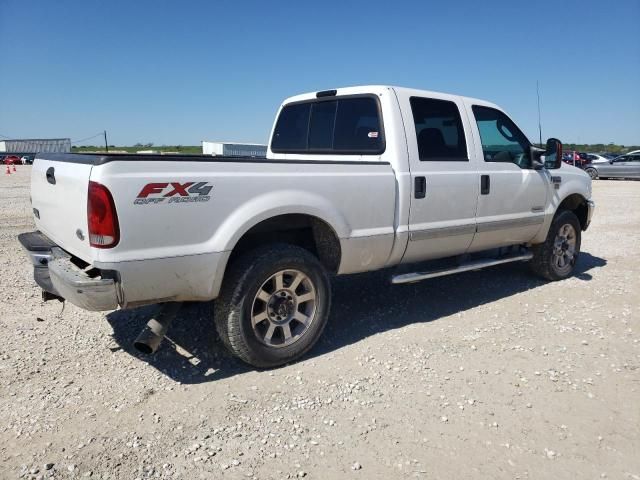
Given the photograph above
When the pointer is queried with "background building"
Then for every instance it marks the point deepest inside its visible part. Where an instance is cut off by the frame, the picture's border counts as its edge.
(234, 149)
(36, 145)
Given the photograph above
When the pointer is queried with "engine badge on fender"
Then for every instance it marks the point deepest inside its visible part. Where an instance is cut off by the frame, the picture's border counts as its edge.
(174, 192)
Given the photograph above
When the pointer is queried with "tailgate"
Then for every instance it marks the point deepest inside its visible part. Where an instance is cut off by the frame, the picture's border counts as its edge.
(59, 199)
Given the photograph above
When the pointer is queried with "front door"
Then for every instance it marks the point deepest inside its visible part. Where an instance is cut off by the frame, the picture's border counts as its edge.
(445, 182)
(512, 200)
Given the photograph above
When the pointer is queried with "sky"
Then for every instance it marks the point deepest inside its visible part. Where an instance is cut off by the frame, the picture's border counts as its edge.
(179, 72)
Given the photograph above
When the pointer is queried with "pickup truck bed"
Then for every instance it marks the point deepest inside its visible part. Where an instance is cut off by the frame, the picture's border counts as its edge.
(189, 236)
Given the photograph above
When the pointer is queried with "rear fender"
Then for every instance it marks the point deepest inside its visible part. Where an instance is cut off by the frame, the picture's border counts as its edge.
(273, 204)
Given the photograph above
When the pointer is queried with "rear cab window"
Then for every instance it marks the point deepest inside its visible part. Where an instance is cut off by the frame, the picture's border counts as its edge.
(348, 125)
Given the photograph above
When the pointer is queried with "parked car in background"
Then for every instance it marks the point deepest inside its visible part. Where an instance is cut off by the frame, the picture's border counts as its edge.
(624, 166)
(583, 159)
(577, 159)
(27, 159)
(595, 158)
(569, 157)
(12, 160)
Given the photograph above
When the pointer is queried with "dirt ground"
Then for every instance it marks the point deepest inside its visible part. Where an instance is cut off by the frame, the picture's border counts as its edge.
(491, 374)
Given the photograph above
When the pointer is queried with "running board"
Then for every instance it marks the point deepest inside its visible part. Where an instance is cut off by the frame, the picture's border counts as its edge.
(475, 265)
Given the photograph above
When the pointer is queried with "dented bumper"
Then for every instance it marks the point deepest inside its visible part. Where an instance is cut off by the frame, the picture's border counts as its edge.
(56, 273)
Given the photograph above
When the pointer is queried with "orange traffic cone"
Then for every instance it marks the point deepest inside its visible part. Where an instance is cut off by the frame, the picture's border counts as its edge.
(14, 167)
(8, 172)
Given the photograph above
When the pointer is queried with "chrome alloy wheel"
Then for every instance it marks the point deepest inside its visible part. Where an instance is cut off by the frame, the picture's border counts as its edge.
(564, 248)
(283, 308)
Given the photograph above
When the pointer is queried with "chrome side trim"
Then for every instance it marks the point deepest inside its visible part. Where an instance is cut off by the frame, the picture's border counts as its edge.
(507, 224)
(441, 232)
(476, 265)
(444, 232)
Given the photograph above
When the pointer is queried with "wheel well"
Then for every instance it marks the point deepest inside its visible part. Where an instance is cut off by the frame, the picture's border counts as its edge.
(578, 205)
(305, 231)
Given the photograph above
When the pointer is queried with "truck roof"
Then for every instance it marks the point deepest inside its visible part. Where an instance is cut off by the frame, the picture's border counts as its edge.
(379, 89)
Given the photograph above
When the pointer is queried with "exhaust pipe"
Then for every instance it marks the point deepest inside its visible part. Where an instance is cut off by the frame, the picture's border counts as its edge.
(47, 296)
(152, 335)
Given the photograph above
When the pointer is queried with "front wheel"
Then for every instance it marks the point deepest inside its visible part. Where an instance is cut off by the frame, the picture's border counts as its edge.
(555, 259)
(592, 172)
(274, 305)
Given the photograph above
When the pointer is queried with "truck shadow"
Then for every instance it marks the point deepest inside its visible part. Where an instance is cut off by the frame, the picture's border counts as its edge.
(363, 305)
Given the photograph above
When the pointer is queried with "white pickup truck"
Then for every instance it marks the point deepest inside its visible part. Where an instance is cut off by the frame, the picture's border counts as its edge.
(355, 179)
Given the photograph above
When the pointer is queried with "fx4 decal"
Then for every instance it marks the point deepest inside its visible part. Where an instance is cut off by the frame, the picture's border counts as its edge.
(174, 192)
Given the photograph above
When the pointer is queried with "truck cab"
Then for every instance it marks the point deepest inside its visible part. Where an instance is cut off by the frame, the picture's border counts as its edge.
(468, 178)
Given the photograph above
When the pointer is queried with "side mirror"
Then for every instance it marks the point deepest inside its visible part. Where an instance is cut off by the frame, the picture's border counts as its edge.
(536, 153)
(553, 154)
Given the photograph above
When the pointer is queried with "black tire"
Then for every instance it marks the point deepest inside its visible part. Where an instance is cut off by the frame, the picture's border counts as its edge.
(544, 261)
(592, 172)
(236, 304)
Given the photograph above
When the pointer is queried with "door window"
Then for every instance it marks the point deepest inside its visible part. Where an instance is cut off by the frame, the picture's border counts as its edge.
(502, 140)
(439, 130)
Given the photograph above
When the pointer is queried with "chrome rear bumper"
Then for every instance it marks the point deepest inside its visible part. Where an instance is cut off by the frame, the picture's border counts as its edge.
(55, 272)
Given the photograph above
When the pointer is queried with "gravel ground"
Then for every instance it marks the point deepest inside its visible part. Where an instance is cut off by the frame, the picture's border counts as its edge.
(491, 374)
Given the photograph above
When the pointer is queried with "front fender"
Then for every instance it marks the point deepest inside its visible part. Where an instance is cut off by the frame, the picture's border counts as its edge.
(573, 181)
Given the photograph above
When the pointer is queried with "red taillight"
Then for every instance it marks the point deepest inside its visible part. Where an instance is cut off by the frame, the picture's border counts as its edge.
(104, 231)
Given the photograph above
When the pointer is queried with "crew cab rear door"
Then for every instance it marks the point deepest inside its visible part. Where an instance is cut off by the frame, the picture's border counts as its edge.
(445, 182)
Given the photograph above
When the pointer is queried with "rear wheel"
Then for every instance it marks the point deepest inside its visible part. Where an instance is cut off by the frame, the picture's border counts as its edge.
(555, 259)
(274, 305)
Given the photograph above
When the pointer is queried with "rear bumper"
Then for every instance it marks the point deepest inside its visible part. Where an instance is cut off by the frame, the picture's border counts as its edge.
(55, 273)
(109, 285)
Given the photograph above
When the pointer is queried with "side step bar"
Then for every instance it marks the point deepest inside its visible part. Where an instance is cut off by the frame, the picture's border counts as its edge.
(465, 267)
